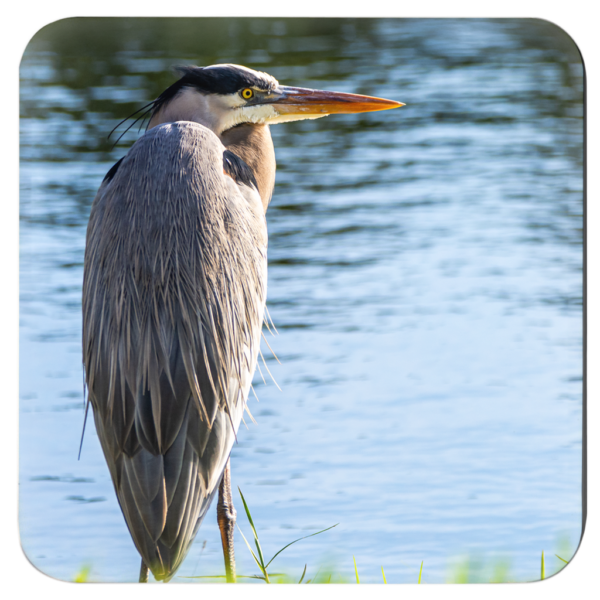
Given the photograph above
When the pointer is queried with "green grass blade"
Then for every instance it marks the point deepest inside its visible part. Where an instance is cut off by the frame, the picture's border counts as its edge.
(356, 571)
(543, 566)
(260, 554)
(303, 574)
(302, 538)
(315, 577)
(252, 552)
(420, 572)
(565, 561)
(256, 542)
(82, 576)
(383, 573)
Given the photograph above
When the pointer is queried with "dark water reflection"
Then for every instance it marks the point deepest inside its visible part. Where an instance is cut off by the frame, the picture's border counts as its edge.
(425, 277)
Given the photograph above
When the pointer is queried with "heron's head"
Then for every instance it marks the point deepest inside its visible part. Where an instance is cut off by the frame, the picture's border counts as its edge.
(223, 96)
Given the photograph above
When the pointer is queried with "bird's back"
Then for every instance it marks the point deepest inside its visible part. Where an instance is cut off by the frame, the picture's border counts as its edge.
(173, 298)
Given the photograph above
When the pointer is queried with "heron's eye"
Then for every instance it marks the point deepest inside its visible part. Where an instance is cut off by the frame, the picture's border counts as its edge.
(247, 93)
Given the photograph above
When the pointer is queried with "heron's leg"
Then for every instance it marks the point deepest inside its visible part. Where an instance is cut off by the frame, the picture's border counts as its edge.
(226, 517)
(144, 572)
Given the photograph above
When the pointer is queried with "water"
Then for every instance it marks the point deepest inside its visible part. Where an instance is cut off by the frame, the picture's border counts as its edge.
(425, 277)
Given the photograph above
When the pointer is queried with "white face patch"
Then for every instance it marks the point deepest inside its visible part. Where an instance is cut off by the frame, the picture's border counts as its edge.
(231, 100)
(287, 118)
(263, 113)
(231, 110)
(235, 114)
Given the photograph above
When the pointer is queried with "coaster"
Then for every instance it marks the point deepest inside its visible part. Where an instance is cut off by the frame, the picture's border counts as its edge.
(408, 408)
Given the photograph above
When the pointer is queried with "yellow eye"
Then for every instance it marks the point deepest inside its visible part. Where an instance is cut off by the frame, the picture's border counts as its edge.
(247, 93)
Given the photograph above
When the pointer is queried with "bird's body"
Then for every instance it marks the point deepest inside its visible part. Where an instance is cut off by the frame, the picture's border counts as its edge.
(173, 299)
(170, 365)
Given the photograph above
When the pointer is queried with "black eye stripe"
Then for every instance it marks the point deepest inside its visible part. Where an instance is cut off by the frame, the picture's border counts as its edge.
(225, 79)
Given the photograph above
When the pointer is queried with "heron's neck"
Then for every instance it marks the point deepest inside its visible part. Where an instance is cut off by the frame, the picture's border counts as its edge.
(253, 144)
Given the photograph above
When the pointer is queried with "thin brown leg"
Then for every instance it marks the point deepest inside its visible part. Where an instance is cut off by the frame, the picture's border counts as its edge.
(143, 572)
(226, 517)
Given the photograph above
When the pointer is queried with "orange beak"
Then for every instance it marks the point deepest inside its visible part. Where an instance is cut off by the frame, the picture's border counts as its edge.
(304, 101)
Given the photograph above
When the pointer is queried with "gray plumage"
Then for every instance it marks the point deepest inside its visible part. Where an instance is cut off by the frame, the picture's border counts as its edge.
(174, 291)
(173, 300)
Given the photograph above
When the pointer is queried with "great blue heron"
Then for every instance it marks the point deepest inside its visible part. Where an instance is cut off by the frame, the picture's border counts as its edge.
(174, 292)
